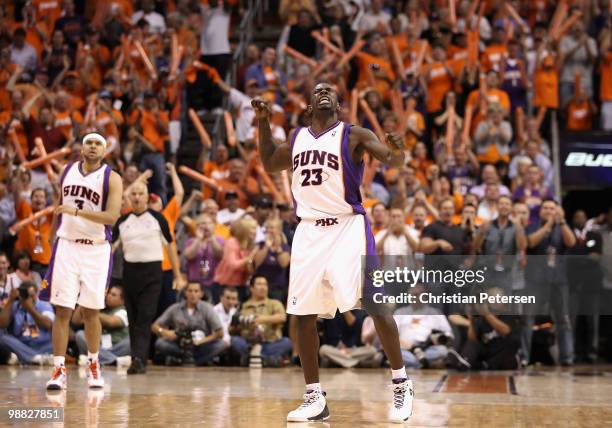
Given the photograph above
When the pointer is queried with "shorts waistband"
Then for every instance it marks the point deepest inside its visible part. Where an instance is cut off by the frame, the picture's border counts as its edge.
(330, 220)
(87, 241)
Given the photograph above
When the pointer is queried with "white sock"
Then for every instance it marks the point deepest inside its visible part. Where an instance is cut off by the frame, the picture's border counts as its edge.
(313, 387)
(92, 356)
(58, 361)
(399, 374)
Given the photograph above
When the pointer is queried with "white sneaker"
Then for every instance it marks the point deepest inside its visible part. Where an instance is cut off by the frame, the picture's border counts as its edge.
(94, 375)
(58, 379)
(314, 408)
(403, 394)
(124, 361)
(13, 360)
(82, 361)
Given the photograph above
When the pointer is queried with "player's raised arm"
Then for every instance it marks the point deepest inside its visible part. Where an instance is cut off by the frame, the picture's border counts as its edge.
(274, 157)
(391, 153)
(113, 207)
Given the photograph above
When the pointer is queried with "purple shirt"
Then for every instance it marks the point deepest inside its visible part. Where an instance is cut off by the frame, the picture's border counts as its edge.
(533, 198)
(202, 267)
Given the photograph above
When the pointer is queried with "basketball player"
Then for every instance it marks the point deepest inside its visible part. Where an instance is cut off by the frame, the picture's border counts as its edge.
(332, 235)
(80, 267)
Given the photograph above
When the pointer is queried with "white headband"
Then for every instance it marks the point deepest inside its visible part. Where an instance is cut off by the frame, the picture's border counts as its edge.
(95, 136)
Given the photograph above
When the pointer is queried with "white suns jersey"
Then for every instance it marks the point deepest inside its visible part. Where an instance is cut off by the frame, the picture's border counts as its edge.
(325, 179)
(88, 192)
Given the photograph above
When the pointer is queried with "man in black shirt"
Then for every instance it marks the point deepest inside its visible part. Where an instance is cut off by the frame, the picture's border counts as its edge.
(585, 278)
(546, 276)
(493, 340)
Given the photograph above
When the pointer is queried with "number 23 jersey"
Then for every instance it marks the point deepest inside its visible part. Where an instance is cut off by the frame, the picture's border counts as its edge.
(85, 191)
(325, 179)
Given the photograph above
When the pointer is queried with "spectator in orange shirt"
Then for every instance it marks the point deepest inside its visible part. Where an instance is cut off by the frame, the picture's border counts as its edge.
(493, 94)
(154, 125)
(374, 68)
(496, 51)
(439, 77)
(34, 238)
(605, 84)
(109, 120)
(237, 181)
(580, 110)
(217, 169)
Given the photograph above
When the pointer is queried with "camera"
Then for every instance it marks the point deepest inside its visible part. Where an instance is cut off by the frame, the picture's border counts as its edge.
(24, 288)
(242, 320)
(436, 337)
(185, 342)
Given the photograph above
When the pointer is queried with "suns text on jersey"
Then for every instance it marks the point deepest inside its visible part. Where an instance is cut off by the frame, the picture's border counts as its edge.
(316, 157)
(81, 192)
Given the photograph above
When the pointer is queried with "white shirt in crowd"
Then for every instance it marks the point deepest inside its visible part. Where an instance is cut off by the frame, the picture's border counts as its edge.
(226, 319)
(225, 216)
(246, 114)
(155, 20)
(214, 39)
(397, 245)
(416, 325)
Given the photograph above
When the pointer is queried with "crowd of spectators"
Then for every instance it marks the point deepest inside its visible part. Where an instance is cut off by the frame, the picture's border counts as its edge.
(473, 88)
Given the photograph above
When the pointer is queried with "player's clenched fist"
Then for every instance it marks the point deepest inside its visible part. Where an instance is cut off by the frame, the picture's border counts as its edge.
(396, 141)
(262, 110)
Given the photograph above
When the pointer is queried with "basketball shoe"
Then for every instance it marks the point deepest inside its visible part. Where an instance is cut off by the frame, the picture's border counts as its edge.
(58, 379)
(94, 375)
(403, 394)
(314, 408)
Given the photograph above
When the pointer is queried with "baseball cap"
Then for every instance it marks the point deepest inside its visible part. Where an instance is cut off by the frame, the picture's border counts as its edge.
(154, 198)
(105, 94)
(263, 201)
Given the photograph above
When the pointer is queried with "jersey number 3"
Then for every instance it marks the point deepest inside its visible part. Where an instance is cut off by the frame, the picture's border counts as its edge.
(312, 177)
(79, 203)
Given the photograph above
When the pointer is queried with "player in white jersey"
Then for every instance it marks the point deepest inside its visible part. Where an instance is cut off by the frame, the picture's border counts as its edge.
(80, 266)
(332, 236)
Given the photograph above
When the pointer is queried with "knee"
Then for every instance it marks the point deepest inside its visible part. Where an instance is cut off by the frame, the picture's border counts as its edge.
(63, 315)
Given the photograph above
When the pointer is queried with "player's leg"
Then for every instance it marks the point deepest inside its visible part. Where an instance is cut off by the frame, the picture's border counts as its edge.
(94, 274)
(59, 337)
(308, 296)
(62, 285)
(354, 241)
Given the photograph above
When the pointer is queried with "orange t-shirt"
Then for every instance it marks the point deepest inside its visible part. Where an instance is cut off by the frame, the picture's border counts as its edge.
(108, 124)
(605, 85)
(579, 116)
(440, 82)
(492, 56)
(366, 77)
(26, 238)
(250, 187)
(214, 171)
(149, 128)
(493, 96)
(171, 213)
(546, 88)
(64, 121)
(48, 10)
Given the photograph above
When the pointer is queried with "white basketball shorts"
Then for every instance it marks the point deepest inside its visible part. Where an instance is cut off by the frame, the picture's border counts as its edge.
(325, 273)
(78, 273)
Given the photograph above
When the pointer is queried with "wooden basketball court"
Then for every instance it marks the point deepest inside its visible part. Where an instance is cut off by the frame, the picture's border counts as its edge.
(237, 397)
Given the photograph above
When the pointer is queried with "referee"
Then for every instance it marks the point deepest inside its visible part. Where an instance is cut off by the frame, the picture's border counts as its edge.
(142, 234)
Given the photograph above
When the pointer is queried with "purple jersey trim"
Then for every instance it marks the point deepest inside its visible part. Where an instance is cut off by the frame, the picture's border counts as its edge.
(110, 265)
(351, 174)
(291, 144)
(45, 293)
(320, 134)
(292, 141)
(370, 262)
(107, 229)
(62, 178)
